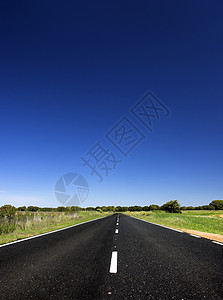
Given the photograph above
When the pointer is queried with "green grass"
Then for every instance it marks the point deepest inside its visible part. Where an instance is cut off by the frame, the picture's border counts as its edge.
(205, 221)
(29, 224)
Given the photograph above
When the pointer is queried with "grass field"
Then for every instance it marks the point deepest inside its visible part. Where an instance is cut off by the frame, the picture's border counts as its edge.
(29, 224)
(200, 220)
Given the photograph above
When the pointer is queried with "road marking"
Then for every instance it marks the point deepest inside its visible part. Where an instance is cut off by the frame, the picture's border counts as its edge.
(114, 259)
(116, 230)
(159, 225)
(217, 243)
(42, 234)
(195, 236)
(117, 224)
(174, 229)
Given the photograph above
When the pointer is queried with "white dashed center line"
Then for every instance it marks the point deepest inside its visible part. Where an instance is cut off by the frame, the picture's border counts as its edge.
(116, 230)
(114, 259)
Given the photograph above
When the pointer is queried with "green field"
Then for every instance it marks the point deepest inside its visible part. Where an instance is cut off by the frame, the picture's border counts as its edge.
(200, 220)
(33, 223)
(29, 224)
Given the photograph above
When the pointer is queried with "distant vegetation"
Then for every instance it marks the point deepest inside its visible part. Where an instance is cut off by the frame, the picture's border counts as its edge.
(168, 206)
(33, 219)
(16, 224)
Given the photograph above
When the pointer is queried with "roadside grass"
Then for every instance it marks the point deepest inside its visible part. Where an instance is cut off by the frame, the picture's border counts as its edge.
(205, 221)
(30, 224)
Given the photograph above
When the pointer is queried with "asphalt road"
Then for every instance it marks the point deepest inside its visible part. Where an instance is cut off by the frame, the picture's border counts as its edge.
(80, 263)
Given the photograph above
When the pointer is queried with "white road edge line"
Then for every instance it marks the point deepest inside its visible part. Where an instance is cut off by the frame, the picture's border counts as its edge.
(217, 243)
(158, 225)
(42, 234)
(175, 230)
(195, 236)
(114, 259)
(116, 230)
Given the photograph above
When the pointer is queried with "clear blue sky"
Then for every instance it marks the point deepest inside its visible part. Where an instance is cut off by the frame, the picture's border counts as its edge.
(69, 71)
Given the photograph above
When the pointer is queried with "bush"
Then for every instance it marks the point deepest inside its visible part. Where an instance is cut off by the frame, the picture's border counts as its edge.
(90, 208)
(121, 208)
(33, 208)
(7, 218)
(135, 208)
(61, 208)
(7, 228)
(7, 211)
(21, 208)
(47, 209)
(154, 207)
(172, 206)
(145, 208)
(217, 204)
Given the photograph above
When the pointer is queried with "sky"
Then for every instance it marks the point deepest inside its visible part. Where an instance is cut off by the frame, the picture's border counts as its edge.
(112, 102)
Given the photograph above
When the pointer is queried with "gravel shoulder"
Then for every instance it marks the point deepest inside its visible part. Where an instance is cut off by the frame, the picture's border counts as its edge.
(210, 236)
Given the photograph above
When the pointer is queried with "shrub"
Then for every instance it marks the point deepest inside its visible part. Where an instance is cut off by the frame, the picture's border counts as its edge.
(145, 208)
(21, 208)
(154, 207)
(217, 204)
(121, 208)
(135, 208)
(7, 218)
(33, 208)
(7, 211)
(61, 208)
(172, 206)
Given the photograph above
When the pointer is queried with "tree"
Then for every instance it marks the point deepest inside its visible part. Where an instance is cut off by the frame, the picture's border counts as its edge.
(118, 208)
(33, 208)
(61, 209)
(90, 208)
(21, 208)
(172, 206)
(111, 208)
(135, 208)
(154, 207)
(47, 209)
(121, 208)
(217, 204)
(145, 208)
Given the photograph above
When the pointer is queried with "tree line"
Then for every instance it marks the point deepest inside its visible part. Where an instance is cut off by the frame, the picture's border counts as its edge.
(172, 206)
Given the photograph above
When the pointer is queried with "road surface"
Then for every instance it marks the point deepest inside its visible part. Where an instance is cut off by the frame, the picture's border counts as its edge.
(117, 257)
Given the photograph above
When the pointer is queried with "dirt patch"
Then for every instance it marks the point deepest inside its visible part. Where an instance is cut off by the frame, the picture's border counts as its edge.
(214, 216)
(210, 236)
